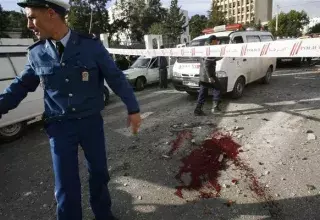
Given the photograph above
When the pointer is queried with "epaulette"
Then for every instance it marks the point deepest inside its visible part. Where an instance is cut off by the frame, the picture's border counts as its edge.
(35, 44)
(88, 36)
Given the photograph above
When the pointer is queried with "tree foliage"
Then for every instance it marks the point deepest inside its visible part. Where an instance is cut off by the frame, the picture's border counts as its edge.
(140, 16)
(174, 22)
(197, 24)
(158, 29)
(80, 16)
(14, 21)
(289, 24)
(216, 17)
(315, 29)
(3, 22)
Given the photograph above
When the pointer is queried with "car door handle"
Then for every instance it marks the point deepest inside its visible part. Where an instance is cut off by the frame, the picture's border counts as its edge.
(234, 59)
(244, 60)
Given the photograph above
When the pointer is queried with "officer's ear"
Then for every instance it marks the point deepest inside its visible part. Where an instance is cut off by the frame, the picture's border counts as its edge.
(52, 13)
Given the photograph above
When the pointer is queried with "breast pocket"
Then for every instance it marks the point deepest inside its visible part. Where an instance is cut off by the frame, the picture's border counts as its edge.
(48, 79)
(87, 77)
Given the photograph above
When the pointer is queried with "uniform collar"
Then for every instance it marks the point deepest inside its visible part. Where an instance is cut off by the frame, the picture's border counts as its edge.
(64, 40)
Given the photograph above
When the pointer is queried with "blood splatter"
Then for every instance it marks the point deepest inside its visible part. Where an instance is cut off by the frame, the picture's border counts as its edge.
(204, 165)
(177, 143)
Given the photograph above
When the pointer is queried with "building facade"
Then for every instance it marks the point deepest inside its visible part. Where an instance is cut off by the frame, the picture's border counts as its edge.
(246, 11)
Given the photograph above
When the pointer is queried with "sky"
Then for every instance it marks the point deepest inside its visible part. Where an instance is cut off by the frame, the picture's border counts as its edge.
(202, 6)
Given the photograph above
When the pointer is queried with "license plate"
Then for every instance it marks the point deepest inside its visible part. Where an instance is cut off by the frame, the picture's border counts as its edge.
(190, 83)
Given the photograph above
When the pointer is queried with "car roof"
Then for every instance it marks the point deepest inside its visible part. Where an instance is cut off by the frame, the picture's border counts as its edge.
(218, 34)
(228, 33)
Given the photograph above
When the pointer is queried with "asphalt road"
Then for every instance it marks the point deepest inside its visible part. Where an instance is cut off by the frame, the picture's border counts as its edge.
(273, 175)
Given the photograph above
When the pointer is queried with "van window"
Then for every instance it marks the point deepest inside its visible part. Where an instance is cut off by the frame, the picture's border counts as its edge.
(201, 42)
(265, 38)
(154, 62)
(253, 38)
(7, 71)
(238, 40)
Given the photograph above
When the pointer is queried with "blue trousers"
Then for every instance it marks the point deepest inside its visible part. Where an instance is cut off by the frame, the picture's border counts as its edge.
(203, 93)
(65, 137)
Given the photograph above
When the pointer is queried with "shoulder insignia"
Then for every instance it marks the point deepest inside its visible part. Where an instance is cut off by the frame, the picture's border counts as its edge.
(35, 44)
(88, 36)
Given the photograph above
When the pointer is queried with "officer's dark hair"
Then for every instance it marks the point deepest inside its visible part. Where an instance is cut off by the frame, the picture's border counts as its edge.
(211, 38)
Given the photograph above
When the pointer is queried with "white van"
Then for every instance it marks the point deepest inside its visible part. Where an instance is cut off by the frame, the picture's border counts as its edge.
(144, 71)
(13, 58)
(233, 72)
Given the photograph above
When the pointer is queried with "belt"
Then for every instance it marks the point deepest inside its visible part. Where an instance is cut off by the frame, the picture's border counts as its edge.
(48, 119)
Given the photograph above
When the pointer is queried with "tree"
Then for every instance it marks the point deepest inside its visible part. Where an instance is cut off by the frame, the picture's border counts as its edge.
(174, 22)
(3, 23)
(216, 16)
(289, 24)
(17, 21)
(197, 24)
(80, 16)
(158, 29)
(315, 29)
(140, 16)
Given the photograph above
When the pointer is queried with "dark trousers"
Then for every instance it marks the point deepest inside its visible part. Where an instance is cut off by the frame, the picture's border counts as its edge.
(163, 78)
(65, 137)
(204, 91)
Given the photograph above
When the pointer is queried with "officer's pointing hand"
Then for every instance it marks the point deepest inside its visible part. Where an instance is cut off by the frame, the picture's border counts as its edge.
(134, 121)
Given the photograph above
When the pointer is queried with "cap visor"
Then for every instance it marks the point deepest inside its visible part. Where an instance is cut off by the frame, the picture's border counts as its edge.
(25, 4)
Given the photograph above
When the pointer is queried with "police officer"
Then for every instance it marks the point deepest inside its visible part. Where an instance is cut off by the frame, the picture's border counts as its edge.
(163, 71)
(208, 79)
(71, 68)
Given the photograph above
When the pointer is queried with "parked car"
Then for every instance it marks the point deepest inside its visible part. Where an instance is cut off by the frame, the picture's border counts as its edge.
(144, 71)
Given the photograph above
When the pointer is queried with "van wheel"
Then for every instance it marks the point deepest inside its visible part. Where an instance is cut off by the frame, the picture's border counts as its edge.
(12, 132)
(267, 78)
(106, 95)
(140, 84)
(238, 88)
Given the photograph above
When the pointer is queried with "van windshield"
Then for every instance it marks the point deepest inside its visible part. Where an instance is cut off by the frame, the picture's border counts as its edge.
(199, 43)
(141, 63)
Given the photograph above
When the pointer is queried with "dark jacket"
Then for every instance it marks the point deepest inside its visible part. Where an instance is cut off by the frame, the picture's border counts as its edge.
(207, 69)
(163, 63)
(74, 87)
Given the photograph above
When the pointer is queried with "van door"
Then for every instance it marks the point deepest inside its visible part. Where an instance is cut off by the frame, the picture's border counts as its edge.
(254, 63)
(266, 62)
(153, 71)
(237, 66)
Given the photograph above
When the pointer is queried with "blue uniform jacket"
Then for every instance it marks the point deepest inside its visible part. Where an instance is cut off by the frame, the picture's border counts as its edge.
(73, 86)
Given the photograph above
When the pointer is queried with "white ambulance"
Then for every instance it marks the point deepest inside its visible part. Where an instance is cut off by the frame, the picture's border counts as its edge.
(13, 57)
(233, 72)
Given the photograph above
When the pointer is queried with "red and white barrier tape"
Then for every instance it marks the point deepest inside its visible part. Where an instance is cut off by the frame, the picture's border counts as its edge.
(282, 48)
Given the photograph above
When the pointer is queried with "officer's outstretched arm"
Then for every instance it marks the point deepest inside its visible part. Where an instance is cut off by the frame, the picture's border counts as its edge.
(116, 79)
(28, 81)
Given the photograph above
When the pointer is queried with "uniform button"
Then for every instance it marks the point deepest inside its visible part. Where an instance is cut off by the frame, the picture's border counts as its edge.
(67, 80)
(63, 64)
(70, 95)
(73, 109)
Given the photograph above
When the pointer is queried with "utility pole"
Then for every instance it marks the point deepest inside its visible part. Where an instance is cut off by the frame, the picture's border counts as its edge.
(277, 19)
(91, 6)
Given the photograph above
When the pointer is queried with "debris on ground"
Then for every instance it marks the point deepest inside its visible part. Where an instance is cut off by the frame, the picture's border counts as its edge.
(229, 203)
(311, 187)
(311, 137)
